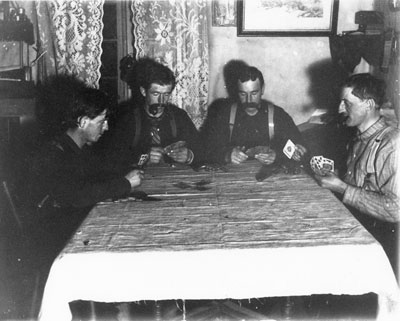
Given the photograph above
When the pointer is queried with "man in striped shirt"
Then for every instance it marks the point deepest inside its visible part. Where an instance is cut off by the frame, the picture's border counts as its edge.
(370, 186)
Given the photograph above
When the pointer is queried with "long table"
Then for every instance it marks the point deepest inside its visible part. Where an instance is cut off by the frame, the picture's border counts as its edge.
(218, 235)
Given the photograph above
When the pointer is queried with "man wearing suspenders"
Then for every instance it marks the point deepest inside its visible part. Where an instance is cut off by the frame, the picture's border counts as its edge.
(148, 128)
(249, 127)
(370, 186)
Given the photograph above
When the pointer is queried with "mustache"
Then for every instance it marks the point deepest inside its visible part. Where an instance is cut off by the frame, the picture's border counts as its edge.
(153, 108)
(249, 105)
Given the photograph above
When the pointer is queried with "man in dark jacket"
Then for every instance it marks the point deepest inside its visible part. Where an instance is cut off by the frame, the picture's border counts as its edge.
(247, 126)
(65, 179)
(148, 128)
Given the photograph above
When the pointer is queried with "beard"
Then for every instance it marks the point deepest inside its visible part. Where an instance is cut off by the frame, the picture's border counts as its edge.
(155, 108)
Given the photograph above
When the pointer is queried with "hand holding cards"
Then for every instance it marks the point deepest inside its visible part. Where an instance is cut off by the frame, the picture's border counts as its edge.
(264, 154)
(294, 151)
(320, 165)
(174, 148)
(253, 151)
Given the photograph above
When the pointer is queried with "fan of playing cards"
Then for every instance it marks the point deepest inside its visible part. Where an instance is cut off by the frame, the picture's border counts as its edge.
(320, 165)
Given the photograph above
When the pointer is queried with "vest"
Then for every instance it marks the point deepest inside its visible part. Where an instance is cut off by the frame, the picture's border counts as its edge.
(138, 126)
(271, 125)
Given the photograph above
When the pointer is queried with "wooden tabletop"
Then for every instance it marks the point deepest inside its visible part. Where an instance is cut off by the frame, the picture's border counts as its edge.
(219, 235)
(220, 209)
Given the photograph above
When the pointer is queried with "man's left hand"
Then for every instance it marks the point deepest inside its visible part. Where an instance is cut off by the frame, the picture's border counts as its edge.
(266, 158)
(178, 152)
(155, 155)
(331, 181)
(299, 152)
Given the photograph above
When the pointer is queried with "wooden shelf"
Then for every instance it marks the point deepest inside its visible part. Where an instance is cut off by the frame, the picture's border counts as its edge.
(17, 107)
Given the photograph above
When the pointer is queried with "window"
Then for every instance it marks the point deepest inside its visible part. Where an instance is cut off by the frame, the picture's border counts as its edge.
(115, 46)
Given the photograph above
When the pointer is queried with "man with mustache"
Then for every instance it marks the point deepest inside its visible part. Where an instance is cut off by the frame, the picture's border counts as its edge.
(240, 128)
(370, 187)
(148, 128)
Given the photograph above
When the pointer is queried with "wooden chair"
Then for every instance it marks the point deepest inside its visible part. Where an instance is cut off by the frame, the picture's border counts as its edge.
(17, 244)
(12, 205)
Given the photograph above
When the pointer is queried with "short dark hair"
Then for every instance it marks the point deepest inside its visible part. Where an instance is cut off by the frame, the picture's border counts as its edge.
(88, 102)
(147, 71)
(231, 75)
(250, 73)
(63, 99)
(366, 86)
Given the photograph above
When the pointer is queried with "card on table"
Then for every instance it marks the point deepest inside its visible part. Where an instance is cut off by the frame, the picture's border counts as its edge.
(289, 149)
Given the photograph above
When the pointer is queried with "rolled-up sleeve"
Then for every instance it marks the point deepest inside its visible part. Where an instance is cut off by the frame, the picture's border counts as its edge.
(382, 206)
(382, 201)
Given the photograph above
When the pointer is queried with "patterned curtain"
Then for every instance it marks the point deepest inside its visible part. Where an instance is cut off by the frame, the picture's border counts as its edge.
(174, 33)
(68, 38)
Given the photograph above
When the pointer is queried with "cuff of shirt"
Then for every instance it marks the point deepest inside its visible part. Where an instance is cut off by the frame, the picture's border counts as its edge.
(228, 156)
(125, 186)
(350, 196)
(190, 157)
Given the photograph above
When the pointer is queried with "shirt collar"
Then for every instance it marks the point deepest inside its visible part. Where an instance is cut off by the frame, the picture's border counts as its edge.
(155, 121)
(378, 125)
(67, 140)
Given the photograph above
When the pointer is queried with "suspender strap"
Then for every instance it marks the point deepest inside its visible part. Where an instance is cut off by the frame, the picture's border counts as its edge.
(374, 148)
(138, 126)
(271, 125)
(173, 125)
(232, 119)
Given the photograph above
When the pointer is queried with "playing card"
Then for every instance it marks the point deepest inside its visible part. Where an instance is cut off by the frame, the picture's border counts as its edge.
(313, 165)
(143, 160)
(328, 164)
(289, 149)
(319, 164)
(318, 161)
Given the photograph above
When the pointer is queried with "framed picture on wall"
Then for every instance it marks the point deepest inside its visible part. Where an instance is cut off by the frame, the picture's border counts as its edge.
(224, 13)
(287, 17)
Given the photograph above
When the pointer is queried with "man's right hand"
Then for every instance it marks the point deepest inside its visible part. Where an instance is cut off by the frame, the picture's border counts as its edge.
(156, 153)
(238, 156)
(135, 178)
(331, 181)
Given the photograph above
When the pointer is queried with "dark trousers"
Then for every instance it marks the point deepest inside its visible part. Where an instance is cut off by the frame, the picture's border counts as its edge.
(386, 233)
(51, 232)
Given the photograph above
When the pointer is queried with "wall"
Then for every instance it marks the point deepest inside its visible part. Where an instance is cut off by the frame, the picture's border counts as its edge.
(392, 20)
(297, 70)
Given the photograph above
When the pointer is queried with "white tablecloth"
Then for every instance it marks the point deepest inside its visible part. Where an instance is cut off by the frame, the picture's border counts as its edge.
(219, 274)
(281, 237)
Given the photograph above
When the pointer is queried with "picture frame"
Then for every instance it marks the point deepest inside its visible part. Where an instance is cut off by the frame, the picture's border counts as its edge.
(303, 18)
(224, 13)
(394, 5)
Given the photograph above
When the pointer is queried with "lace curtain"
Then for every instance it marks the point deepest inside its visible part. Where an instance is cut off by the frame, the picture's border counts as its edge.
(174, 32)
(68, 38)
